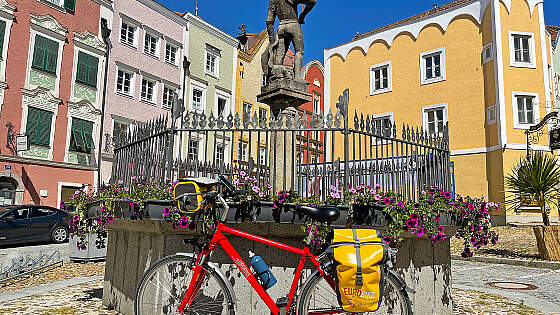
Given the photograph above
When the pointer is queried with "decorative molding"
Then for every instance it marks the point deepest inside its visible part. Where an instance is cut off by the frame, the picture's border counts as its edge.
(312, 63)
(85, 92)
(42, 79)
(3, 85)
(40, 97)
(17, 159)
(7, 8)
(475, 9)
(173, 42)
(83, 108)
(89, 39)
(531, 3)
(49, 22)
(212, 30)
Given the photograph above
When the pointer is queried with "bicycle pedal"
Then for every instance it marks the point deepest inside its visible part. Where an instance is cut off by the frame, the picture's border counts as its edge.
(282, 303)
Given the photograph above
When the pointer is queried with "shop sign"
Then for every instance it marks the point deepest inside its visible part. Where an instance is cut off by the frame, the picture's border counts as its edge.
(555, 139)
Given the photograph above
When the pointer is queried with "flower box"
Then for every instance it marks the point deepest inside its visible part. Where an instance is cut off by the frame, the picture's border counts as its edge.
(154, 209)
(91, 253)
(448, 219)
(343, 218)
(371, 215)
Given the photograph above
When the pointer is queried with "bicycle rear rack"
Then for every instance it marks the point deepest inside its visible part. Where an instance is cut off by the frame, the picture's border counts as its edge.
(29, 264)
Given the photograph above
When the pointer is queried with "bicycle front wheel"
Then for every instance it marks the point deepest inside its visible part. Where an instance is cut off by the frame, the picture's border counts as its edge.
(317, 297)
(164, 285)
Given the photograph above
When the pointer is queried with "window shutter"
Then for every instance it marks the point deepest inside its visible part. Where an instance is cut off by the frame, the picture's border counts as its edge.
(39, 52)
(33, 117)
(81, 75)
(52, 56)
(70, 5)
(92, 70)
(44, 129)
(88, 135)
(2, 34)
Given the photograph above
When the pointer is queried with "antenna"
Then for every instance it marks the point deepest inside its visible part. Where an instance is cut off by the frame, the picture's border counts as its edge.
(196, 8)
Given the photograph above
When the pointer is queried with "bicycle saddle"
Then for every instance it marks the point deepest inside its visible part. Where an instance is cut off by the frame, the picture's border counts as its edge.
(321, 214)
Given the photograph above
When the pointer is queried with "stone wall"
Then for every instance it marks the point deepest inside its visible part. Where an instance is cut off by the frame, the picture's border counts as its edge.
(134, 245)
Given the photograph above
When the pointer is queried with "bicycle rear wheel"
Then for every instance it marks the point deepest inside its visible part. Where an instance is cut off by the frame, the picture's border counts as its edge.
(317, 297)
(164, 285)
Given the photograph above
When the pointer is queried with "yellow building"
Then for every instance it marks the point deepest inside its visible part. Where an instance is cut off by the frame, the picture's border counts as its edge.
(483, 66)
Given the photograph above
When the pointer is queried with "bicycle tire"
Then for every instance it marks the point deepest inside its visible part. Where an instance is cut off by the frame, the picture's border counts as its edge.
(386, 307)
(179, 265)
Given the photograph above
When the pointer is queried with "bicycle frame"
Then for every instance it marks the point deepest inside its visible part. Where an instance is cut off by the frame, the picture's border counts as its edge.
(219, 239)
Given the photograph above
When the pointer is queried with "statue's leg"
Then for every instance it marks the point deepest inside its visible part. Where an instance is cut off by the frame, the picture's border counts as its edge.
(298, 47)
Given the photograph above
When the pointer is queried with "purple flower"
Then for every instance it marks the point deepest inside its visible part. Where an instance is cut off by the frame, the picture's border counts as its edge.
(377, 197)
(414, 216)
(400, 205)
(276, 204)
(110, 219)
(387, 239)
(184, 219)
(437, 218)
(166, 211)
(421, 231)
(242, 173)
(183, 225)
(447, 195)
(76, 218)
(353, 190)
(440, 229)
(256, 189)
(466, 253)
(411, 223)
(495, 239)
(386, 201)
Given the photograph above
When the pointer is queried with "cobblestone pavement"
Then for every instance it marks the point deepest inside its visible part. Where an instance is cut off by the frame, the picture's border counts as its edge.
(477, 276)
(474, 302)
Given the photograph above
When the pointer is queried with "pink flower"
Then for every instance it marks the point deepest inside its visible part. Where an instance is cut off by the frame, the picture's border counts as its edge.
(166, 211)
(353, 190)
(256, 189)
(400, 205)
(236, 181)
(377, 197)
(242, 173)
(421, 232)
(261, 195)
(110, 219)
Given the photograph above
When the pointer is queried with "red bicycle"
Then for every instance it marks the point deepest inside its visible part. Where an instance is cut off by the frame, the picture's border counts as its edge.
(187, 283)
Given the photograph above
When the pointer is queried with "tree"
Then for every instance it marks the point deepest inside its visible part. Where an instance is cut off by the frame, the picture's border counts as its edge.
(535, 180)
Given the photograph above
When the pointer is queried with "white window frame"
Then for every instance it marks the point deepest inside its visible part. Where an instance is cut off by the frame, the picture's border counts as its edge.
(132, 81)
(262, 157)
(225, 96)
(379, 66)
(167, 43)
(128, 123)
(489, 119)
(426, 109)
(130, 22)
(261, 110)
(156, 54)
(198, 139)
(4, 52)
(216, 64)
(34, 31)
(224, 146)
(532, 51)
(536, 111)
(317, 101)
(441, 52)
(382, 116)
(243, 109)
(170, 97)
(198, 86)
(153, 100)
(243, 154)
(487, 48)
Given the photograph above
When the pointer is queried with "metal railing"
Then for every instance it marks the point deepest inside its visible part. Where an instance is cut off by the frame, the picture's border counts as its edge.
(289, 151)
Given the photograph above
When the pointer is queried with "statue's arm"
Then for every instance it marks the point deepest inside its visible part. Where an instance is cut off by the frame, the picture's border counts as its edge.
(309, 4)
(270, 21)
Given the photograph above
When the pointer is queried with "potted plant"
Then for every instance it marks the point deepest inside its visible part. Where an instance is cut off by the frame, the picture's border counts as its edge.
(536, 180)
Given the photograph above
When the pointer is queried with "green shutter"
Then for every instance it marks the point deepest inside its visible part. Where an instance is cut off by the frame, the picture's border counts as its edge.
(2, 34)
(88, 135)
(52, 56)
(39, 126)
(70, 5)
(92, 70)
(81, 136)
(39, 52)
(81, 75)
(33, 118)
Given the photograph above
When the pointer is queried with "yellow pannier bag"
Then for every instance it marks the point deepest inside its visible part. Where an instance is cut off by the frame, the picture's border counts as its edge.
(359, 254)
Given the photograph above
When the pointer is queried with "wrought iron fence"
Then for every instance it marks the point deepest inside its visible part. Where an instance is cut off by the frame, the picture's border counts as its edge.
(289, 151)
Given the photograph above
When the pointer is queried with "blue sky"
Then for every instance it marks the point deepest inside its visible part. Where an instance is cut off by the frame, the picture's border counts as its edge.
(332, 22)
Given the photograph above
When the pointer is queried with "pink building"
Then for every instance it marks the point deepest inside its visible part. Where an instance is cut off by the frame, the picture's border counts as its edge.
(145, 68)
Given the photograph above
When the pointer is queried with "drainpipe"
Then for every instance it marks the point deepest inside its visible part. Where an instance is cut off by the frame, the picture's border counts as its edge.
(105, 33)
(186, 65)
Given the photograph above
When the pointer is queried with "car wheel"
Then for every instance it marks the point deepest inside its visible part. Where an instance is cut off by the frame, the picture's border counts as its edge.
(59, 235)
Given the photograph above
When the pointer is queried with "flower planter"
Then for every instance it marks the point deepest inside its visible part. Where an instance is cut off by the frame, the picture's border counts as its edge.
(548, 241)
(343, 218)
(154, 209)
(371, 215)
(448, 219)
(91, 253)
(121, 209)
(94, 208)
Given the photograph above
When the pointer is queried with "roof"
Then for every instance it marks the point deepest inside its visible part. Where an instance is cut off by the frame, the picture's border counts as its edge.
(429, 13)
(553, 30)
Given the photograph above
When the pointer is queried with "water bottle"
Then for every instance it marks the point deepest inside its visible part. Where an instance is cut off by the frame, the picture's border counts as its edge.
(262, 271)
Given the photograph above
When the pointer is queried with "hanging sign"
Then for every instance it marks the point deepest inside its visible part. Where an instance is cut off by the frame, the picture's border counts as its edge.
(22, 143)
(554, 139)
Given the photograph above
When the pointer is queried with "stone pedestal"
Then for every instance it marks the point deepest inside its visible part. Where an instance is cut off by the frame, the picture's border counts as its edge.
(282, 153)
(283, 93)
(133, 246)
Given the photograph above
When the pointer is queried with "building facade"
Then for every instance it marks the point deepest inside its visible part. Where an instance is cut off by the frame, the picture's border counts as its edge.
(481, 66)
(145, 69)
(314, 73)
(51, 83)
(553, 32)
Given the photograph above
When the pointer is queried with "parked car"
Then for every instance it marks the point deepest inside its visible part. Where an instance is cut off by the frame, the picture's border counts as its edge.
(32, 223)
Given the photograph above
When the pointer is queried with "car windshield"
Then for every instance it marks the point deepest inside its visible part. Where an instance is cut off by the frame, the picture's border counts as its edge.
(5, 210)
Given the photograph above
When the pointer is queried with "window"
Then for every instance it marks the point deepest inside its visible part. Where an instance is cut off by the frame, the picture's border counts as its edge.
(526, 109)
(2, 34)
(192, 152)
(128, 33)
(316, 104)
(221, 106)
(45, 54)
(262, 156)
(170, 54)
(41, 212)
(491, 115)
(263, 79)
(380, 78)
(168, 97)
(148, 91)
(39, 126)
(522, 50)
(220, 154)
(87, 69)
(383, 123)
(120, 130)
(263, 113)
(432, 66)
(435, 119)
(70, 5)
(212, 60)
(197, 99)
(487, 53)
(124, 80)
(81, 137)
(243, 151)
(150, 45)
(247, 110)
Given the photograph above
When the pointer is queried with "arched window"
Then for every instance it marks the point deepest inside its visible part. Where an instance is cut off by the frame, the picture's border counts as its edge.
(7, 191)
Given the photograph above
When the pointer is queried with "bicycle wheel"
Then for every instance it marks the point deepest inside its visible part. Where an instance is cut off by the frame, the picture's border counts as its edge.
(164, 285)
(317, 297)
